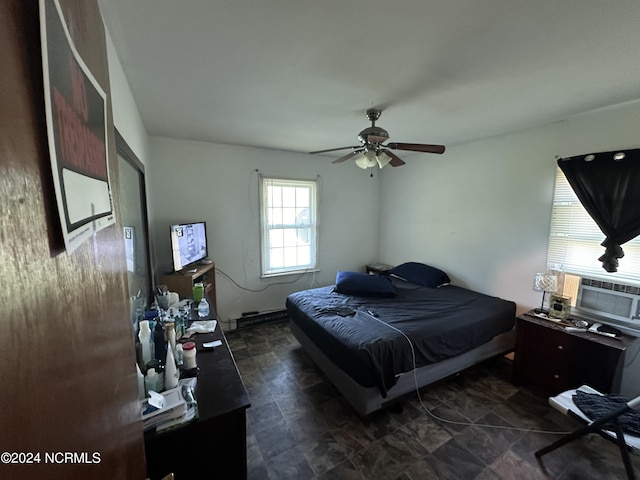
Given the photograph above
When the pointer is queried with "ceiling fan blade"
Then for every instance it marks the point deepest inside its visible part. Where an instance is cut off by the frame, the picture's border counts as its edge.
(334, 149)
(346, 157)
(395, 160)
(417, 147)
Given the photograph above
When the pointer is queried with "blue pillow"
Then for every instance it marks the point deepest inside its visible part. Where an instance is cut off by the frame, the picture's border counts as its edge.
(363, 284)
(420, 274)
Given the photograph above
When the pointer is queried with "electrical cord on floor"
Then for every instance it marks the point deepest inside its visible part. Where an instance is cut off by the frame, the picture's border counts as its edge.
(454, 422)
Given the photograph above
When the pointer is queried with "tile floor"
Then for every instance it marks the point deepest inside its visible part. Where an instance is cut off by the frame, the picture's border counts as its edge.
(299, 427)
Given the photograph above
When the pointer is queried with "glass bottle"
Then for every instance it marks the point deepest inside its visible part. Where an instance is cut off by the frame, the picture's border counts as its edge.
(159, 343)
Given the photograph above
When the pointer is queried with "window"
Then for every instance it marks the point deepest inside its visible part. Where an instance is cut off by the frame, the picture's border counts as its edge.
(288, 218)
(574, 240)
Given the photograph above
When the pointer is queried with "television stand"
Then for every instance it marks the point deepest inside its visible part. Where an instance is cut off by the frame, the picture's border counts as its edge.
(182, 281)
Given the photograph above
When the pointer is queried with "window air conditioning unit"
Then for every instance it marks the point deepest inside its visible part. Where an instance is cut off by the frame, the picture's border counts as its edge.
(610, 300)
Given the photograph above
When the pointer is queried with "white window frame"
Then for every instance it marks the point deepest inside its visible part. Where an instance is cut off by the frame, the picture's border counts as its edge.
(574, 241)
(288, 233)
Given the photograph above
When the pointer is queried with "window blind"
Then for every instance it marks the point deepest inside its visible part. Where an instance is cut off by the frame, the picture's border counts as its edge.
(574, 240)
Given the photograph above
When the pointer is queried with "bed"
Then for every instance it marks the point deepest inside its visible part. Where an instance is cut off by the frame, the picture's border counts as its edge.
(376, 337)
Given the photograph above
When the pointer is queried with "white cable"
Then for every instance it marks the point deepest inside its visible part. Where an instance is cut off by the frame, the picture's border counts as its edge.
(263, 288)
(433, 415)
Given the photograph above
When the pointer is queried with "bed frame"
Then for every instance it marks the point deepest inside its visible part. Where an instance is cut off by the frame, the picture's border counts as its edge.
(366, 400)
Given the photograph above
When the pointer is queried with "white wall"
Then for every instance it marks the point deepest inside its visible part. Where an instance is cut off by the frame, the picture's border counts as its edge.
(193, 181)
(481, 211)
(126, 117)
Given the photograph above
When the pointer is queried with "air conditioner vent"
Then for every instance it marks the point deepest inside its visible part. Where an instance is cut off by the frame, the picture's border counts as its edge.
(632, 290)
(607, 302)
(612, 300)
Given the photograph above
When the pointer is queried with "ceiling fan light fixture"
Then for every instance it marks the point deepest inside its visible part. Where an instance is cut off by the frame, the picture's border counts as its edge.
(373, 151)
(363, 162)
(367, 160)
(360, 162)
(383, 159)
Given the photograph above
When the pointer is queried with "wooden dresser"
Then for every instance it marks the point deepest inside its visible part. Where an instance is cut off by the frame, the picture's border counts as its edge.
(552, 360)
(216, 441)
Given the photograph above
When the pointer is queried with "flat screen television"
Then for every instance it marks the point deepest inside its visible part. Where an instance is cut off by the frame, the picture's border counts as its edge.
(188, 244)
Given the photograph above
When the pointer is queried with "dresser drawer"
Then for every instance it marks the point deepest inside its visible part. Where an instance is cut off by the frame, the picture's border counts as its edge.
(548, 357)
(549, 344)
(547, 364)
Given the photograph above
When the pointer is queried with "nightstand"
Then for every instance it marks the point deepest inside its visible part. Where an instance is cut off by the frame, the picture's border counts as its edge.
(552, 360)
(377, 268)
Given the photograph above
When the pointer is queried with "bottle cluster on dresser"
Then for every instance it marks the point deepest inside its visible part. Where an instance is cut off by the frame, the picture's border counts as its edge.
(162, 358)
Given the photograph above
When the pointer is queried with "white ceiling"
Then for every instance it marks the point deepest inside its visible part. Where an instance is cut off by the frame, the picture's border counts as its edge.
(298, 75)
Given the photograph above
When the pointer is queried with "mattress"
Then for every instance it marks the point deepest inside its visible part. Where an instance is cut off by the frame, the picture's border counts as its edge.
(375, 339)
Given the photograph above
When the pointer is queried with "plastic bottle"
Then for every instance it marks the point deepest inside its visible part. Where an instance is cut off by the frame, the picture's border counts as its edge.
(198, 291)
(179, 357)
(158, 366)
(180, 325)
(189, 355)
(171, 375)
(151, 381)
(171, 336)
(203, 308)
(141, 389)
(144, 335)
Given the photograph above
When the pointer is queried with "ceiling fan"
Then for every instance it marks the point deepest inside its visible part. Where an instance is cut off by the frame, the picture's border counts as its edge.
(372, 152)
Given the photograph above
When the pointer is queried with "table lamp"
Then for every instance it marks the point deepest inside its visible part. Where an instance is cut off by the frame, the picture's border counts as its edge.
(545, 282)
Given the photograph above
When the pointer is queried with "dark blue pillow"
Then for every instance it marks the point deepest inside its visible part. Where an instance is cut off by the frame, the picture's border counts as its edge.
(363, 284)
(420, 274)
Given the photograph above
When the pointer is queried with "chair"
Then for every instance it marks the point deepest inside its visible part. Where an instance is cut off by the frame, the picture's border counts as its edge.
(625, 441)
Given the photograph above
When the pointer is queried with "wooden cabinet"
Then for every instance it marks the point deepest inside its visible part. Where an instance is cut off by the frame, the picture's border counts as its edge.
(552, 360)
(182, 282)
(213, 445)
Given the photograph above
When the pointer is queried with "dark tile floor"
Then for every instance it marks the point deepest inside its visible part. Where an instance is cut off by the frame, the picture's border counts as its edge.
(299, 427)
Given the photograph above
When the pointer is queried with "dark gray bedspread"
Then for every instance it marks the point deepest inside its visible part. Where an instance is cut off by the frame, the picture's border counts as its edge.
(440, 322)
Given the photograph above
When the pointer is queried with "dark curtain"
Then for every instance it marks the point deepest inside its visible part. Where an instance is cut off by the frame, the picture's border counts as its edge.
(609, 190)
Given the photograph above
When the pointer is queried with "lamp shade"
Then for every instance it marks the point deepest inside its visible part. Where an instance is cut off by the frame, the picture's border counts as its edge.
(545, 282)
(368, 160)
(383, 159)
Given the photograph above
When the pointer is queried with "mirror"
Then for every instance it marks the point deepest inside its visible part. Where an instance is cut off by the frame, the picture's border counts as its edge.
(135, 227)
